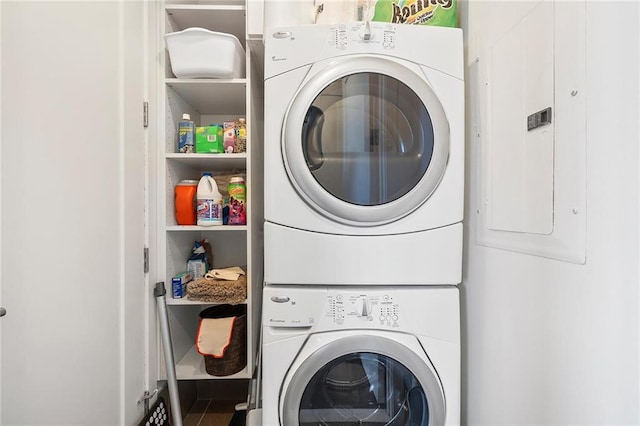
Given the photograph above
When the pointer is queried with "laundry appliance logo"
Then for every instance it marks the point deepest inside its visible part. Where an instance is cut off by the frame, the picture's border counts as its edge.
(418, 11)
(274, 58)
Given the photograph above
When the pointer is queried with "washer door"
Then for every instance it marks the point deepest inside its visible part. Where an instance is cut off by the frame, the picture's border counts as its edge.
(364, 380)
(365, 140)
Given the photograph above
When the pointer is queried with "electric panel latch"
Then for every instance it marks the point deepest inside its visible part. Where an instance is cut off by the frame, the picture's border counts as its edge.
(538, 119)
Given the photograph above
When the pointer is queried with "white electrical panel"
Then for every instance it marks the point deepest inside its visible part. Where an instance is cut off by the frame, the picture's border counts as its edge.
(530, 121)
(521, 84)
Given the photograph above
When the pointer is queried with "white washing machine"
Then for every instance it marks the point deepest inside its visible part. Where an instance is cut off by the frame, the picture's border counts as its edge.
(361, 356)
(364, 154)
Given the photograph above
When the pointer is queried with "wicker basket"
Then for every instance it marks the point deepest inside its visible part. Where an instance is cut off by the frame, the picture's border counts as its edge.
(235, 356)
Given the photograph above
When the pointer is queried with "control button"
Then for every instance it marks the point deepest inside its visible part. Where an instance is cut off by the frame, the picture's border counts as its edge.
(385, 45)
(395, 318)
(382, 318)
(339, 297)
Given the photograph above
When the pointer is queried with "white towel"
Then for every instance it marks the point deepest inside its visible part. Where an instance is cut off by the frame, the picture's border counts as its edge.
(214, 336)
(229, 274)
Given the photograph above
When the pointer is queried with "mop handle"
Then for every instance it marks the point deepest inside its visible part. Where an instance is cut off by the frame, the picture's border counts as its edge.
(159, 293)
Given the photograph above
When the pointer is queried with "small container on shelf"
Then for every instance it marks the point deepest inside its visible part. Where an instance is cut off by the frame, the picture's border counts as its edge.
(186, 135)
(179, 285)
(229, 128)
(237, 201)
(185, 200)
(209, 202)
(201, 53)
(241, 135)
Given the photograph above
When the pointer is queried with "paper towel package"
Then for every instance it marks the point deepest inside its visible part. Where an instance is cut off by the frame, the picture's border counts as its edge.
(417, 12)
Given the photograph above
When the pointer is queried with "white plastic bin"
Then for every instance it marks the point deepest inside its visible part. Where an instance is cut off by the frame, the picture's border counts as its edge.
(200, 53)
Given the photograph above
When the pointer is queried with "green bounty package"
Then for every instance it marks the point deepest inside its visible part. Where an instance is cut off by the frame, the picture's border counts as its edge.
(441, 13)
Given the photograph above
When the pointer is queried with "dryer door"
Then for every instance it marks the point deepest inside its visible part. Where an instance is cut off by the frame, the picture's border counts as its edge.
(363, 380)
(365, 140)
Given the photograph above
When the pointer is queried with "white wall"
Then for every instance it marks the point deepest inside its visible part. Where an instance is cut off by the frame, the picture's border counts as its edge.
(549, 342)
(72, 182)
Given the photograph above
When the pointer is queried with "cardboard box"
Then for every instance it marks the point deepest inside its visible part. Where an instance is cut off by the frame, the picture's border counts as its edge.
(229, 137)
(209, 140)
(197, 268)
(179, 285)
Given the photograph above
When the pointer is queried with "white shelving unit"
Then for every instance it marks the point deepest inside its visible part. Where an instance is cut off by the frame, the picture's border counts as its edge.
(209, 101)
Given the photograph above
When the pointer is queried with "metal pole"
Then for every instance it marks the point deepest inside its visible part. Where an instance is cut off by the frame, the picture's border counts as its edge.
(172, 382)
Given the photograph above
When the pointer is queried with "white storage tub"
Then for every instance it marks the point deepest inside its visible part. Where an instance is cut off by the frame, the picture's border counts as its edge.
(200, 53)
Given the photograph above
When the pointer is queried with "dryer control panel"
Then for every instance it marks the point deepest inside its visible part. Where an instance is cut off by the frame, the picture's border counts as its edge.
(371, 33)
(355, 309)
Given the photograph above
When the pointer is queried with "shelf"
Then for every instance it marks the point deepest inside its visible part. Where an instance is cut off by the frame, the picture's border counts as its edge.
(191, 367)
(211, 162)
(219, 228)
(208, 101)
(212, 96)
(183, 302)
(224, 18)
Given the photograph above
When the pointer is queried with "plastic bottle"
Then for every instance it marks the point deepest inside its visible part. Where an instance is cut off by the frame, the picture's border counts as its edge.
(237, 201)
(185, 198)
(241, 135)
(186, 134)
(209, 202)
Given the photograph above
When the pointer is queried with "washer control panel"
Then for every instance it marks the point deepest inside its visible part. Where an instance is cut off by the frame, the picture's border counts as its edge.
(353, 309)
(375, 34)
(332, 308)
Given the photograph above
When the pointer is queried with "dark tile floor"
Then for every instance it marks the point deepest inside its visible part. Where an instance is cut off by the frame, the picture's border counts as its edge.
(210, 413)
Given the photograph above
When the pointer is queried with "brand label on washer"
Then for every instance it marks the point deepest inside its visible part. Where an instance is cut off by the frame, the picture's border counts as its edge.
(282, 34)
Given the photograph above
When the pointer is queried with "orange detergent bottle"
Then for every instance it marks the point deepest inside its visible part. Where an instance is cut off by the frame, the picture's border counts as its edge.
(185, 196)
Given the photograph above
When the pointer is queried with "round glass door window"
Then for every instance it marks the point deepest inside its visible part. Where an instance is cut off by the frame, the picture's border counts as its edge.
(363, 389)
(367, 139)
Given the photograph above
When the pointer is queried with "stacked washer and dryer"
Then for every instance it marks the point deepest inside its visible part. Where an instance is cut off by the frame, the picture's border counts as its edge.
(364, 159)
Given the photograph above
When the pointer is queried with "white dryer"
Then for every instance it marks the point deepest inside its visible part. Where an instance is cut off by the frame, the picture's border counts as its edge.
(364, 154)
(361, 356)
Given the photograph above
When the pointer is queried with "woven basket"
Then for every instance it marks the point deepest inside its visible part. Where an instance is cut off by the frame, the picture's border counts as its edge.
(235, 356)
